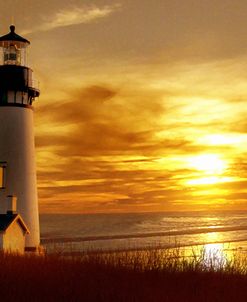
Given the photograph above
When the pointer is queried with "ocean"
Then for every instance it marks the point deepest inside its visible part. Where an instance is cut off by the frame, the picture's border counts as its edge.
(114, 232)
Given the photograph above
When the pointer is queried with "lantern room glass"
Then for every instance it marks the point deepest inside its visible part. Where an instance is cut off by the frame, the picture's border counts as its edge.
(13, 53)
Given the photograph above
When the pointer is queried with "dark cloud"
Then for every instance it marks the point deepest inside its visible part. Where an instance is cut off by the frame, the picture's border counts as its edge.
(105, 123)
(81, 105)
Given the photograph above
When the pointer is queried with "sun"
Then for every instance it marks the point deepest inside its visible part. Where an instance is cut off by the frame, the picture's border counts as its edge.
(209, 164)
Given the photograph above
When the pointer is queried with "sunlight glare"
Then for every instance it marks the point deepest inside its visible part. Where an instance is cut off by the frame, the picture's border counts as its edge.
(210, 164)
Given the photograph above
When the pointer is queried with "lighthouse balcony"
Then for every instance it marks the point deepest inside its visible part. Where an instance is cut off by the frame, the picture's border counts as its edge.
(18, 78)
(33, 88)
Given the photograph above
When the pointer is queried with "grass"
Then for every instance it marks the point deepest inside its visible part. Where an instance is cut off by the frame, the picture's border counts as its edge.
(145, 276)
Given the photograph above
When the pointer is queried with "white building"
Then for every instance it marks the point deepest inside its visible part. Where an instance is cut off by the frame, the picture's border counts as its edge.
(13, 229)
(17, 151)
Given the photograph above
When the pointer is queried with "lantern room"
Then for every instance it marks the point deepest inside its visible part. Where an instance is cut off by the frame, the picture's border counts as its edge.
(13, 49)
(17, 85)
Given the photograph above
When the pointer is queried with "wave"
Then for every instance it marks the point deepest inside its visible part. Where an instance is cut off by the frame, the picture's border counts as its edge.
(197, 231)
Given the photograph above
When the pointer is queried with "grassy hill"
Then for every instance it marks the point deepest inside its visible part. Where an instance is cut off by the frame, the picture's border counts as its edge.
(147, 276)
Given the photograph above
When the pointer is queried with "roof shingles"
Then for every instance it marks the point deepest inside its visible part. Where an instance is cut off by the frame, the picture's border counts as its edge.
(6, 220)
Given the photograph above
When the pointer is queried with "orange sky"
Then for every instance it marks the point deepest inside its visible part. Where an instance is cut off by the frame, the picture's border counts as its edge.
(143, 105)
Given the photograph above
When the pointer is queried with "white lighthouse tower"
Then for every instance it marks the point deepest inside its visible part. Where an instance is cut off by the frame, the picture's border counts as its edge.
(17, 153)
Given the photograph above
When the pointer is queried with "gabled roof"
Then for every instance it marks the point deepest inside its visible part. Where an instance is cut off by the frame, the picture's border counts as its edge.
(12, 36)
(7, 219)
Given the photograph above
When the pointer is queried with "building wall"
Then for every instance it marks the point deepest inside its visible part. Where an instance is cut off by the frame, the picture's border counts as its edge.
(17, 150)
(14, 239)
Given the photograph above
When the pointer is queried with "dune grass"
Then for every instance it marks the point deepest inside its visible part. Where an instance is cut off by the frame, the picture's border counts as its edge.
(154, 275)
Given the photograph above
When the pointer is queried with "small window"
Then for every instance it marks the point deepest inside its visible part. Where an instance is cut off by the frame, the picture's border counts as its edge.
(2, 175)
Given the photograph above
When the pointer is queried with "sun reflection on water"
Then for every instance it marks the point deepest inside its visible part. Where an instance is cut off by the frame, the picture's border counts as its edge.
(215, 253)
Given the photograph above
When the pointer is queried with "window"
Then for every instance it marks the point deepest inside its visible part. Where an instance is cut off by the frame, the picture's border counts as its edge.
(12, 55)
(2, 174)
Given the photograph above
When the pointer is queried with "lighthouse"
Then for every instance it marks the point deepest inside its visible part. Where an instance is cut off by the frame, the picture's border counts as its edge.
(17, 151)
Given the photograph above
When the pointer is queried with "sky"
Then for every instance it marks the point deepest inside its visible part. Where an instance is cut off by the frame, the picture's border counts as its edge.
(143, 103)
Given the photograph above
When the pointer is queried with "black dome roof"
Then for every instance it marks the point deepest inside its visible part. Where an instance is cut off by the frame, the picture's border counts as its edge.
(12, 36)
